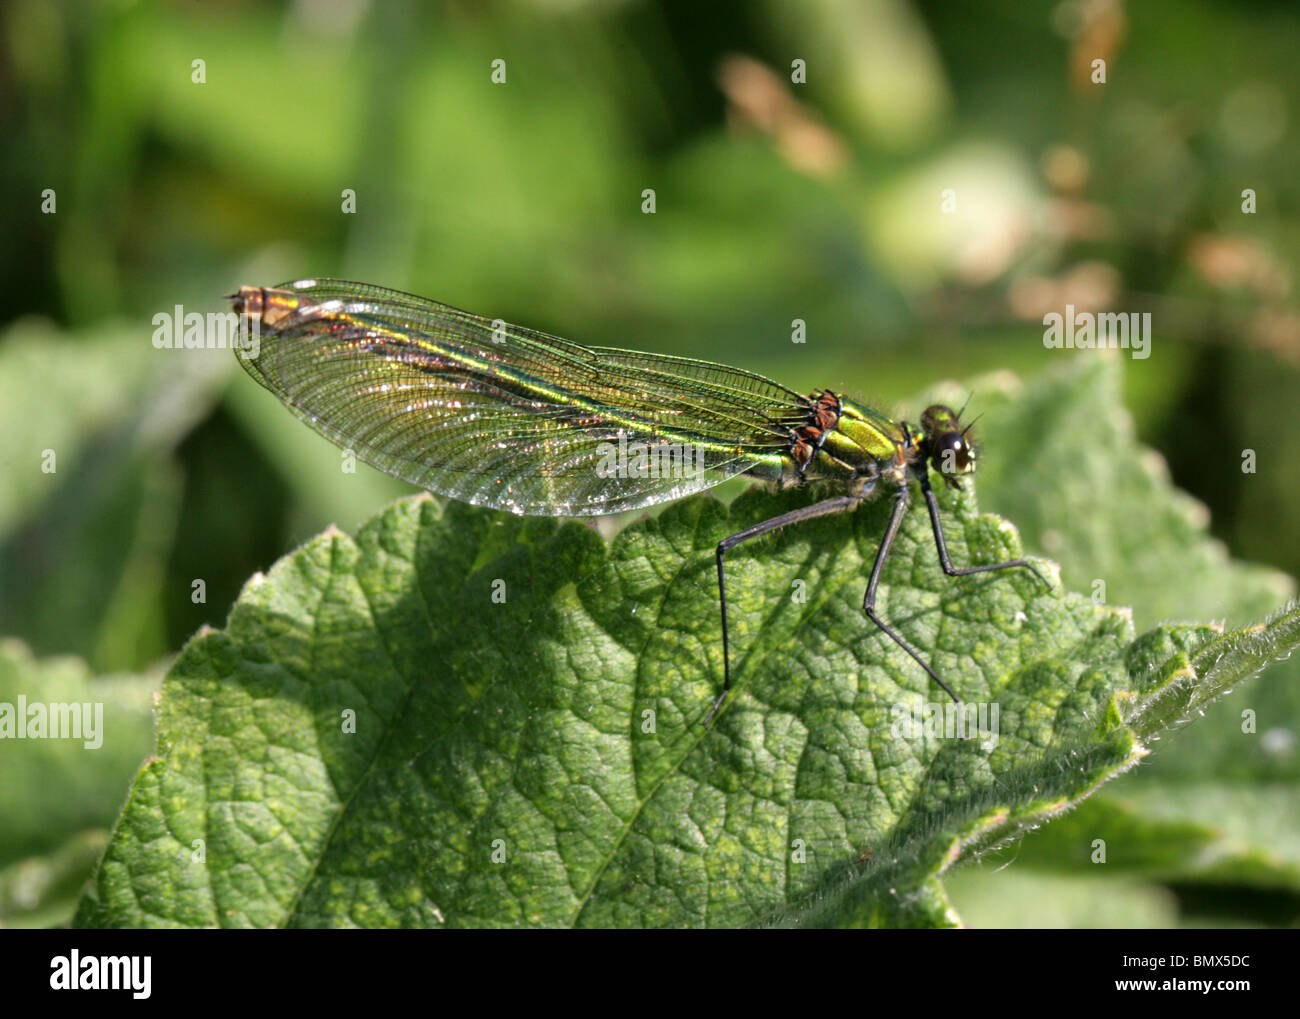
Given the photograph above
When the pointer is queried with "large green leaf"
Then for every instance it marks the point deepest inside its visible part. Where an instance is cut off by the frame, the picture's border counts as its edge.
(1064, 464)
(43, 891)
(91, 493)
(55, 788)
(541, 760)
(1040, 900)
(59, 796)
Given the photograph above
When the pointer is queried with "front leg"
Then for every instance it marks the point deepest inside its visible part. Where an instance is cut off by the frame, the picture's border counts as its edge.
(902, 500)
(932, 503)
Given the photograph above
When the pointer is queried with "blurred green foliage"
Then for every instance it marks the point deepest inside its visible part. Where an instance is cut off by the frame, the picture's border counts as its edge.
(775, 201)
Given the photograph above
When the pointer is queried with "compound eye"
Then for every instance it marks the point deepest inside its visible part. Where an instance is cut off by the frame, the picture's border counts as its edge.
(953, 454)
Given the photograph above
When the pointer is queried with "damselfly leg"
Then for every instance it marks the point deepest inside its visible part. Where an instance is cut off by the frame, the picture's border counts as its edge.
(932, 504)
(838, 504)
(841, 504)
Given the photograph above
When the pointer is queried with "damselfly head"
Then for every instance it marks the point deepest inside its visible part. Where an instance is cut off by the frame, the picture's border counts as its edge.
(947, 445)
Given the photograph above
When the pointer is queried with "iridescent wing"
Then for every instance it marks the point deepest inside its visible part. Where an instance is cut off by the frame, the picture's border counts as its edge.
(498, 415)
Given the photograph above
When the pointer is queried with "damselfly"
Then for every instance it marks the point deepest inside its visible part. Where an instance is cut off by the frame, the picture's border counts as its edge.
(510, 418)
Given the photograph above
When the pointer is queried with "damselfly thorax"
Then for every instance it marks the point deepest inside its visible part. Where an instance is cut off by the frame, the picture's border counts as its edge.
(845, 442)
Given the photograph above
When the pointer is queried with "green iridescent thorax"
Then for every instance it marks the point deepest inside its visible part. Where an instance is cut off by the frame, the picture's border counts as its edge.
(863, 436)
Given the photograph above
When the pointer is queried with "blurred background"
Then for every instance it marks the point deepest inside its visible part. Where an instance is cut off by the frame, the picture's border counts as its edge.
(496, 156)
